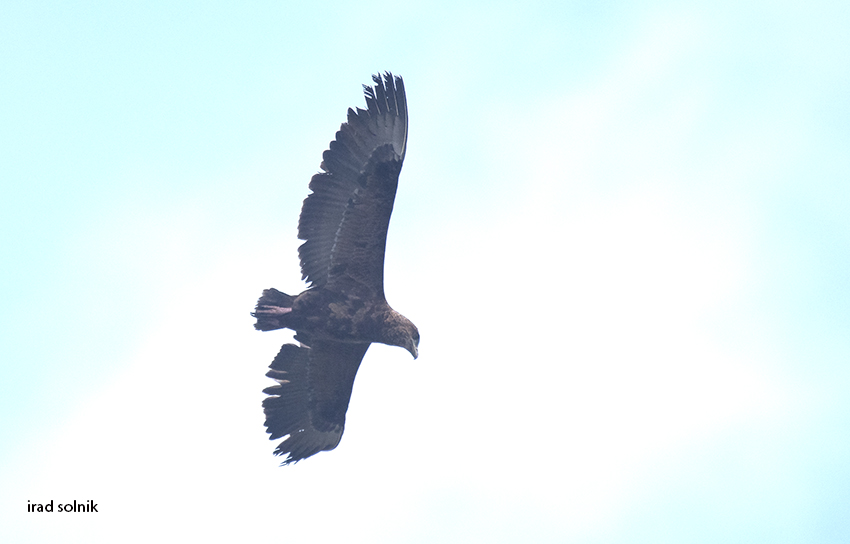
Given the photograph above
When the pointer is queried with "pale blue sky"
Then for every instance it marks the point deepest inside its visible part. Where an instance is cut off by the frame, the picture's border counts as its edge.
(621, 228)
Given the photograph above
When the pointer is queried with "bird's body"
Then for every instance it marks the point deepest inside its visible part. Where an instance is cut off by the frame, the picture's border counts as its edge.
(344, 224)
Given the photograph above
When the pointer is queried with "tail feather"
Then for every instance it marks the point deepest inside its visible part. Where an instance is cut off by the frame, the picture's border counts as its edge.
(272, 310)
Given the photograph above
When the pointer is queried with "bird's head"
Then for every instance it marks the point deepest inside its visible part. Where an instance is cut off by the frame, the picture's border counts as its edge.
(413, 342)
(403, 333)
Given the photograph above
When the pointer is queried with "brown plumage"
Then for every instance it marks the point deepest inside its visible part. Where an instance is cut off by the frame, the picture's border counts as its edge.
(344, 225)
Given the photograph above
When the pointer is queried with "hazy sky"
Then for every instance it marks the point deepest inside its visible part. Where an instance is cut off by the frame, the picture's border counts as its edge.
(622, 229)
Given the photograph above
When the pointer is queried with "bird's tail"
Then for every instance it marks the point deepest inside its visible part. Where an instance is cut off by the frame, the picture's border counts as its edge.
(273, 310)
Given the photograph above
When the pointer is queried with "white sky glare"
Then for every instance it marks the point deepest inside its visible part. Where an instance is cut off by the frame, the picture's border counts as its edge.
(621, 229)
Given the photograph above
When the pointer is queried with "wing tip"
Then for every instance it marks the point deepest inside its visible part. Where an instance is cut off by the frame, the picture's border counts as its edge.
(388, 86)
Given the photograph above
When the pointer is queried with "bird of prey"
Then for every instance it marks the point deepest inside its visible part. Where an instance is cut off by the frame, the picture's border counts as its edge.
(344, 225)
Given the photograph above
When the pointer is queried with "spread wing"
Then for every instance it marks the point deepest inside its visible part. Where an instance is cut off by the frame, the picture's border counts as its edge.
(344, 220)
(311, 398)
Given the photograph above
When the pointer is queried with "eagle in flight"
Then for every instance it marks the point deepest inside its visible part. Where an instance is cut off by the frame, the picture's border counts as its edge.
(344, 225)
